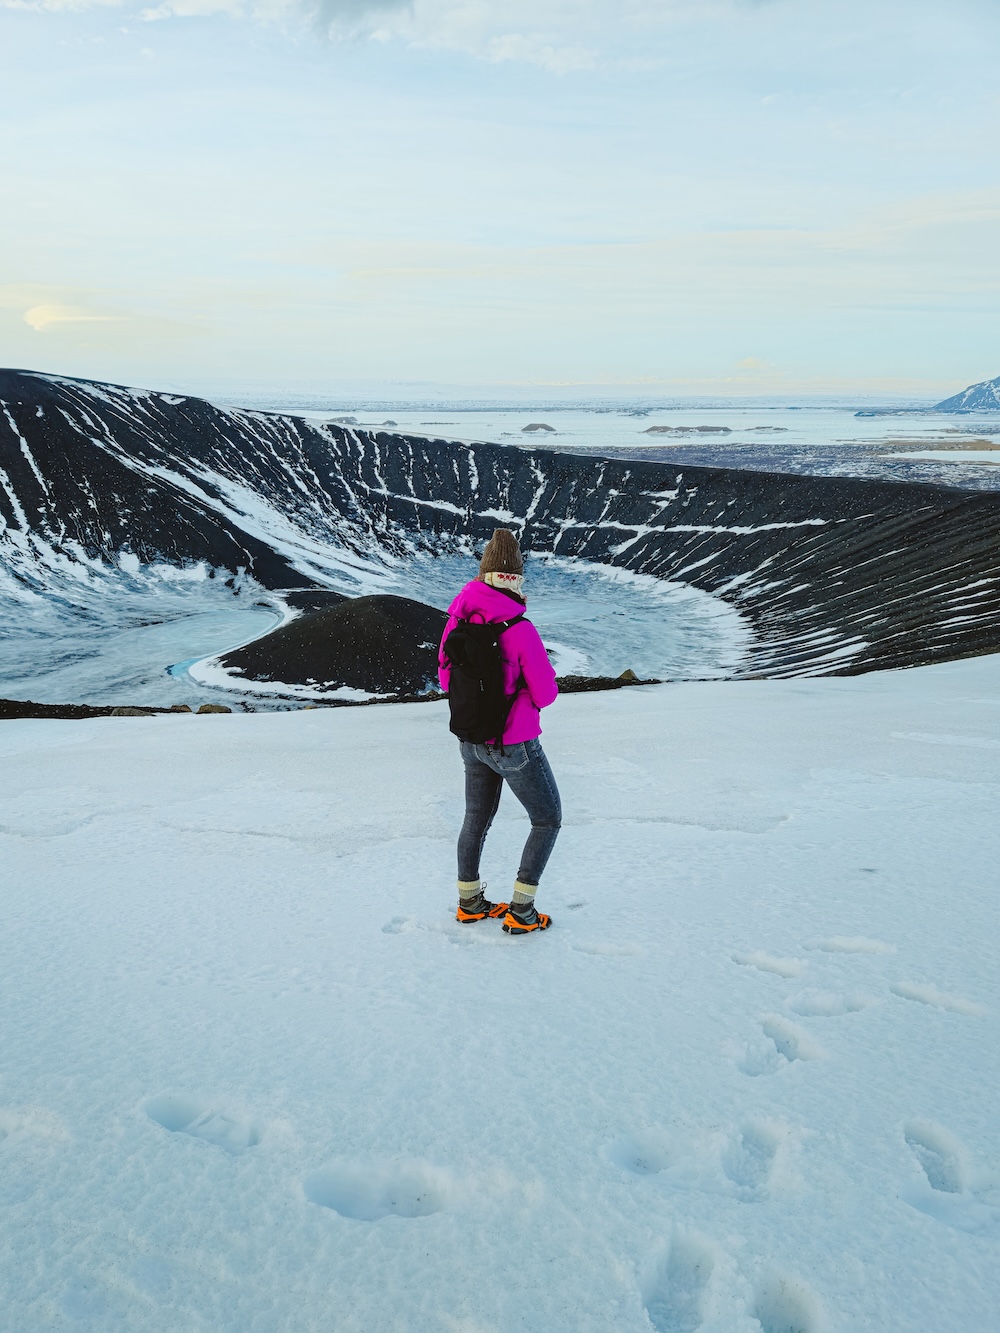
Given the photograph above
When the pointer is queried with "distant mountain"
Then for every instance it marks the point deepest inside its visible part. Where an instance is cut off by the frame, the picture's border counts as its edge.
(983, 397)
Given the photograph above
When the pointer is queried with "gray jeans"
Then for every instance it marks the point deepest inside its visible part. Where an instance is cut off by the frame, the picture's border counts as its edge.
(526, 771)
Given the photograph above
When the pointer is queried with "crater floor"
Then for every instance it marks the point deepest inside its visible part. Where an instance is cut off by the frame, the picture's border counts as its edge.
(145, 643)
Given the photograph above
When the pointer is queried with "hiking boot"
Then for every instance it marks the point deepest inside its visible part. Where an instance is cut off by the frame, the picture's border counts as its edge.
(478, 908)
(522, 919)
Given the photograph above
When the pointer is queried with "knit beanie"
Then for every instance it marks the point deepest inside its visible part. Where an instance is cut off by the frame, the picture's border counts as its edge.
(502, 555)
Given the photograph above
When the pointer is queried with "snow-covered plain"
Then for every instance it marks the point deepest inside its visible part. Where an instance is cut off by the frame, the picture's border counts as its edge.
(764, 436)
(255, 1077)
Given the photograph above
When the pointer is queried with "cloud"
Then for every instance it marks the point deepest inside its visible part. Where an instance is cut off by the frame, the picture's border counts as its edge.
(337, 19)
(44, 308)
(559, 35)
(355, 16)
(189, 9)
(546, 33)
(571, 35)
(537, 51)
(59, 6)
(46, 316)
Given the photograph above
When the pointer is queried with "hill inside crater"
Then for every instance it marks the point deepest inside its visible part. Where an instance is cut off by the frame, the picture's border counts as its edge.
(381, 644)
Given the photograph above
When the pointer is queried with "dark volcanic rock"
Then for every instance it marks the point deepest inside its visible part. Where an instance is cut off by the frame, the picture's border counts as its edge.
(12, 709)
(835, 575)
(313, 599)
(591, 684)
(383, 645)
(536, 426)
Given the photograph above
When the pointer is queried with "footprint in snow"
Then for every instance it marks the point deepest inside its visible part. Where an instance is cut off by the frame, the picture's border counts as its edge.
(605, 949)
(828, 1004)
(400, 925)
(683, 1294)
(746, 1162)
(35, 1123)
(849, 944)
(946, 1191)
(764, 962)
(750, 1156)
(783, 1304)
(185, 1115)
(644, 1153)
(930, 995)
(481, 932)
(783, 1043)
(366, 1191)
(679, 1295)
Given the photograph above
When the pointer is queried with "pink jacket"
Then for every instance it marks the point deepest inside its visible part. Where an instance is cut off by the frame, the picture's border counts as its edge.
(521, 649)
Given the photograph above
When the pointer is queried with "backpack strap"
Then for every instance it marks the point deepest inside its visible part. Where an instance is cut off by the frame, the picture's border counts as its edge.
(520, 684)
(499, 624)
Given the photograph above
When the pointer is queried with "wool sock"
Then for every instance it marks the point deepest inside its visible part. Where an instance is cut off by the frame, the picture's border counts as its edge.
(469, 889)
(524, 896)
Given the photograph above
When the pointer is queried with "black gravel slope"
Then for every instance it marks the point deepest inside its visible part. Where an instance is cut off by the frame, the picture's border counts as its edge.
(835, 575)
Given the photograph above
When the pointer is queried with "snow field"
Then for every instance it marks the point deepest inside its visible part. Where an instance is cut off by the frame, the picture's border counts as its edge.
(256, 1077)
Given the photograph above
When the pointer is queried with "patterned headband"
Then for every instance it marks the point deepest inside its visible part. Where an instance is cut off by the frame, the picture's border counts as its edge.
(507, 582)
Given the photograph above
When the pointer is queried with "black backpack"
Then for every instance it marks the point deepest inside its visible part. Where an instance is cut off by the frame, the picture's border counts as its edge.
(479, 706)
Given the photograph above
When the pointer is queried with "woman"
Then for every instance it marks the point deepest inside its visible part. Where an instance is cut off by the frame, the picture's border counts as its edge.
(493, 597)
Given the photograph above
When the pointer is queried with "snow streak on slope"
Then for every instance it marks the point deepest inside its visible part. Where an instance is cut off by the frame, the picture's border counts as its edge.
(833, 574)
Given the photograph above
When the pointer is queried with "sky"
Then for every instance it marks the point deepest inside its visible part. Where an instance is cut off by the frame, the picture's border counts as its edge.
(637, 197)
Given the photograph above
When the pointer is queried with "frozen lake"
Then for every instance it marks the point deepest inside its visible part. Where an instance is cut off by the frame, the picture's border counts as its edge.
(132, 641)
(600, 621)
(117, 647)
